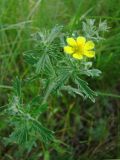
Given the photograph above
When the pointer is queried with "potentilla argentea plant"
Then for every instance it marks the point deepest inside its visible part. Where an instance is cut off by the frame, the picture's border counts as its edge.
(59, 62)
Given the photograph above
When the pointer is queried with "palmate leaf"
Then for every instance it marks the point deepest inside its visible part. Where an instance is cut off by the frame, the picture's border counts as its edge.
(103, 27)
(40, 65)
(72, 91)
(35, 101)
(91, 72)
(19, 135)
(26, 128)
(83, 86)
(91, 31)
(28, 131)
(37, 110)
(55, 32)
(43, 64)
(49, 68)
(45, 134)
(62, 78)
(46, 37)
(57, 82)
(35, 106)
(30, 57)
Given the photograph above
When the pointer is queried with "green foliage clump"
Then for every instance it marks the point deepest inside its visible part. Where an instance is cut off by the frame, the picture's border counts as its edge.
(54, 90)
(57, 73)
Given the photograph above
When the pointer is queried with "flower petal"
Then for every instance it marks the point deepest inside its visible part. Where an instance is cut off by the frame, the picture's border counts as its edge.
(68, 49)
(81, 40)
(89, 45)
(89, 54)
(71, 42)
(77, 56)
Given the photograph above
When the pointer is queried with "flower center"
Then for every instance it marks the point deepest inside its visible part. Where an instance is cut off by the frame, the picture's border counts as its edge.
(79, 49)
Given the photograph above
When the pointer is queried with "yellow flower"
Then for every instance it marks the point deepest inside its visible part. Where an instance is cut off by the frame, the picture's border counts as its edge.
(79, 48)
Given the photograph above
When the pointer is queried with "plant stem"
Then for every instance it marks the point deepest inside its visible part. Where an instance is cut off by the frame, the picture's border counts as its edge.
(108, 94)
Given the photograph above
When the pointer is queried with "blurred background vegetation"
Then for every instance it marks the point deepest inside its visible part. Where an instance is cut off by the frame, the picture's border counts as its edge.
(90, 131)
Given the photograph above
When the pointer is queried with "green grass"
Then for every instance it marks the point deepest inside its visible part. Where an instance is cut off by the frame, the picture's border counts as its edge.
(88, 131)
